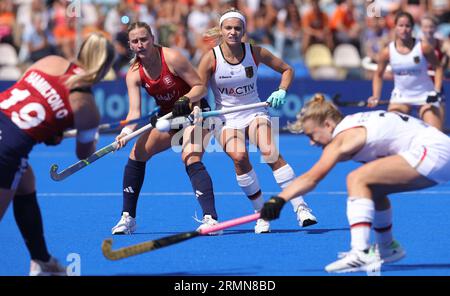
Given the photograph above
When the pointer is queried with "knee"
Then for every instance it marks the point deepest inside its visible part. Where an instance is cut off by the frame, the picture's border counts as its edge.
(355, 178)
(240, 159)
(190, 157)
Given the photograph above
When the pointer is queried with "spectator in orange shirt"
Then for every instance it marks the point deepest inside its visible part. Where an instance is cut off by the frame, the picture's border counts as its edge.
(316, 28)
(7, 19)
(344, 23)
(65, 36)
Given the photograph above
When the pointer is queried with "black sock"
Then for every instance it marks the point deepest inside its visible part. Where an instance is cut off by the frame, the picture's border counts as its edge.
(203, 188)
(133, 178)
(29, 220)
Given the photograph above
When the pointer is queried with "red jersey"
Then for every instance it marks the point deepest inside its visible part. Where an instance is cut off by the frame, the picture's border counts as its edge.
(39, 104)
(167, 88)
(439, 54)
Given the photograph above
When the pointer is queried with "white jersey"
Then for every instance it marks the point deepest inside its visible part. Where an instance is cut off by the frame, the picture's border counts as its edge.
(389, 133)
(412, 85)
(235, 85)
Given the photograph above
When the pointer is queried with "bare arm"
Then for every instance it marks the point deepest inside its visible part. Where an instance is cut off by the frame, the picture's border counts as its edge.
(133, 81)
(432, 59)
(266, 57)
(86, 117)
(184, 69)
(340, 149)
(205, 67)
(377, 82)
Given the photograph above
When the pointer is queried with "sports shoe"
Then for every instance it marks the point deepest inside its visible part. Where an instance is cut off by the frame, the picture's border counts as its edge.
(305, 216)
(390, 253)
(52, 267)
(355, 260)
(208, 221)
(126, 225)
(262, 226)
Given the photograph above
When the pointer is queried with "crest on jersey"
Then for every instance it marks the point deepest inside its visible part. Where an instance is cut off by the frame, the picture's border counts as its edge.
(168, 81)
(249, 71)
(416, 59)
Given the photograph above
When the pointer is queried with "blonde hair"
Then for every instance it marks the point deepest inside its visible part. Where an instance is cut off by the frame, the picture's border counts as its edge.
(96, 56)
(317, 109)
(213, 36)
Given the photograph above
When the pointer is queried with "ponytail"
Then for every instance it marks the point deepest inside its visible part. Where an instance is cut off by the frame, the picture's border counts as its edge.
(96, 56)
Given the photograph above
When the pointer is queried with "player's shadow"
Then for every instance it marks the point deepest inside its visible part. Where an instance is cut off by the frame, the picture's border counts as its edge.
(307, 231)
(247, 271)
(247, 231)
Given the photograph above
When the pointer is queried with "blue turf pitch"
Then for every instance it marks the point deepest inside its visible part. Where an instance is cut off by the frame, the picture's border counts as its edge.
(80, 211)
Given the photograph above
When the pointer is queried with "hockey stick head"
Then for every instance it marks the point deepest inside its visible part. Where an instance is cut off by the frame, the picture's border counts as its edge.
(144, 247)
(54, 174)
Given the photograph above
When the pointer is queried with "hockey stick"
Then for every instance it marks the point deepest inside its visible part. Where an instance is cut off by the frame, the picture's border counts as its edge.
(97, 154)
(336, 100)
(152, 245)
(109, 126)
(182, 120)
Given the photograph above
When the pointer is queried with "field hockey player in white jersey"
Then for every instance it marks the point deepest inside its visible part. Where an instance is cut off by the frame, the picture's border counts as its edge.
(400, 153)
(231, 69)
(409, 58)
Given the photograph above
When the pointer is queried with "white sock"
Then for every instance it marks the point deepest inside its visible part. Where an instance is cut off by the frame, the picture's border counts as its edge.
(382, 226)
(360, 214)
(250, 185)
(284, 176)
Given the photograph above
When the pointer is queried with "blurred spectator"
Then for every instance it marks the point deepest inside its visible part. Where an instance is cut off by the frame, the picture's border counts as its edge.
(123, 54)
(148, 13)
(288, 32)
(428, 34)
(199, 20)
(316, 27)
(440, 9)
(170, 17)
(260, 33)
(7, 21)
(98, 26)
(376, 37)
(65, 37)
(386, 9)
(416, 8)
(344, 23)
(119, 15)
(36, 40)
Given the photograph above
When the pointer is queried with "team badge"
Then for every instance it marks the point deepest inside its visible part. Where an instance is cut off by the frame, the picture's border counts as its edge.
(416, 59)
(168, 81)
(249, 72)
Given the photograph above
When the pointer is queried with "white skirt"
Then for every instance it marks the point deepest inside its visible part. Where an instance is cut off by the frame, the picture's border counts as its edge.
(417, 100)
(429, 154)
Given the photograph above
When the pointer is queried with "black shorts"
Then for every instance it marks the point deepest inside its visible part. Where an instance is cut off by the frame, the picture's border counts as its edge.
(15, 146)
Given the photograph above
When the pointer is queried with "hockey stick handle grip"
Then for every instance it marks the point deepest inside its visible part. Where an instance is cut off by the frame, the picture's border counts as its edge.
(143, 129)
(230, 223)
(233, 109)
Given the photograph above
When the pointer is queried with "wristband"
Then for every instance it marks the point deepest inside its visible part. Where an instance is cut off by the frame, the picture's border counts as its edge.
(126, 130)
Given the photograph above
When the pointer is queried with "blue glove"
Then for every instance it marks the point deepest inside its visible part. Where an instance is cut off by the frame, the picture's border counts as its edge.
(276, 99)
